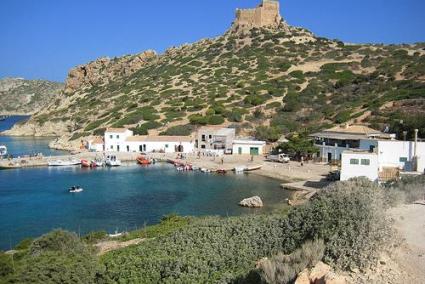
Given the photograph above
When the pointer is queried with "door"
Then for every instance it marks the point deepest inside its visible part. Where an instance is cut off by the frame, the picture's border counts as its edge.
(128, 148)
(118, 148)
(240, 150)
(329, 157)
(254, 151)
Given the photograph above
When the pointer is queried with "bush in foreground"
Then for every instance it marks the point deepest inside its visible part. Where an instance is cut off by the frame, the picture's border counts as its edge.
(347, 216)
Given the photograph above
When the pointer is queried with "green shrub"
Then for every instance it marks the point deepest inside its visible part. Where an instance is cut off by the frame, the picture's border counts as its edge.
(285, 268)
(6, 265)
(271, 134)
(24, 244)
(215, 120)
(179, 130)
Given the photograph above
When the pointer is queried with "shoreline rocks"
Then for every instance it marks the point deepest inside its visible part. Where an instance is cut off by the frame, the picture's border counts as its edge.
(252, 202)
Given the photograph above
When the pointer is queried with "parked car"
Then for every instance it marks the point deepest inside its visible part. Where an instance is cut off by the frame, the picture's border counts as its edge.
(279, 158)
(334, 175)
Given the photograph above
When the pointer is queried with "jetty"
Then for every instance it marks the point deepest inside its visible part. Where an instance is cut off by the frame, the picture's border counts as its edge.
(43, 161)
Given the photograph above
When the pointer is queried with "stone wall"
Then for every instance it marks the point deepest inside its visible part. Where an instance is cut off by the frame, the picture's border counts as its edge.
(267, 14)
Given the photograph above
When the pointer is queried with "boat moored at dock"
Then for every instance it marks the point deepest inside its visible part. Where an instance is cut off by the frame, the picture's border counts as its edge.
(62, 163)
(3, 150)
(112, 161)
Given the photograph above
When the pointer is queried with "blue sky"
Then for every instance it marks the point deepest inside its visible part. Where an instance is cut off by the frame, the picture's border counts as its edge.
(43, 39)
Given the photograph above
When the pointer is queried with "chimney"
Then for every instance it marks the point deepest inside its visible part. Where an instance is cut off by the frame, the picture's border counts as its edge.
(415, 157)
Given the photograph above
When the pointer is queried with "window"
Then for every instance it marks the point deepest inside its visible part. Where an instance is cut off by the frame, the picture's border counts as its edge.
(403, 159)
(118, 137)
(203, 138)
(112, 147)
(365, 162)
(202, 146)
(166, 145)
(110, 136)
(128, 148)
(210, 137)
(354, 161)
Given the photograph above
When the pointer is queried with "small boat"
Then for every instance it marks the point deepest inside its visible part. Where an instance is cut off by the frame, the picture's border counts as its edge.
(62, 163)
(75, 189)
(3, 150)
(85, 164)
(116, 234)
(205, 170)
(97, 163)
(253, 168)
(143, 161)
(240, 169)
(221, 171)
(112, 161)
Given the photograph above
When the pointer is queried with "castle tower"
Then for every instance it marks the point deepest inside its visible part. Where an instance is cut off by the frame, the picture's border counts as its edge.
(267, 14)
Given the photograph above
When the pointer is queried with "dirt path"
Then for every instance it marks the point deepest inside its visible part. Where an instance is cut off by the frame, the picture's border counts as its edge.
(106, 246)
(409, 221)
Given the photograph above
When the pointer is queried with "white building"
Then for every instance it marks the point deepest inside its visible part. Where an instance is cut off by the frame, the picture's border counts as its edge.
(115, 139)
(248, 147)
(215, 139)
(359, 164)
(163, 144)
(96, 144)
(332, 142)
(392, 157)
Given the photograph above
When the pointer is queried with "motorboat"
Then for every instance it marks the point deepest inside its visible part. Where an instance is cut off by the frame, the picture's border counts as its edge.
(141, 160)
(205, 170)
(75, 189)
(3, 150)
(62, 163)
(85, 163)
(221, 171)
(240, 169)
(116, 234)
(112, 161)
(97, 163)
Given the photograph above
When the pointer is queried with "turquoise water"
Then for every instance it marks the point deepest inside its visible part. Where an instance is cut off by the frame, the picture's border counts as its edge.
(35, 201)
(18, 146)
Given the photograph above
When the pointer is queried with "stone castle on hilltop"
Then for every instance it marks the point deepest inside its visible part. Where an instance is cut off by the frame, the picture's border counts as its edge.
(267, 14)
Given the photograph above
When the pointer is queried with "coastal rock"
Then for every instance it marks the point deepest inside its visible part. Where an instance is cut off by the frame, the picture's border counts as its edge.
(252, 202)
(318, 272)
(333, 278)
(303, 277)
(105, 70)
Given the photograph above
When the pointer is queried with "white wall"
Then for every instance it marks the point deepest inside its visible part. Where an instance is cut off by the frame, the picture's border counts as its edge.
(152, 146)
(390, 152)
(246, 148)
(96, 147)
(115, 141)
(335, 151)
(349, 170)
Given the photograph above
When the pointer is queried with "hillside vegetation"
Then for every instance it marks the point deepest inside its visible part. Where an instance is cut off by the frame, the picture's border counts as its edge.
(344, 225)
(263, 82)
(19, 96)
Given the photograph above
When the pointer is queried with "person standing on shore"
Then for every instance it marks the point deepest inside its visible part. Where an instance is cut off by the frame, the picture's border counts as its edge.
(302, 161)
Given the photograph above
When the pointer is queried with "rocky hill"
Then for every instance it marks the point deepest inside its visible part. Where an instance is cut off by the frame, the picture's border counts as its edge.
(19, 96)
(262, 79)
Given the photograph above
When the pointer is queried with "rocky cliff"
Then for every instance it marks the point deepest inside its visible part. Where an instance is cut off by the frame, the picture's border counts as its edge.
(19, 96)
(264, 81)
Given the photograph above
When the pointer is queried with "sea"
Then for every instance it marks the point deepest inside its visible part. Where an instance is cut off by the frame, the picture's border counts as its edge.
(19, 146)
(36, 200)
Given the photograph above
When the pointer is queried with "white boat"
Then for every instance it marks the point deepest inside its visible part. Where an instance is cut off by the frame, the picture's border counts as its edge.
(3, 150)
(62, 163)
(205, 170)
(112, 161)
(240, 169)
(116, 234)
(75, 189)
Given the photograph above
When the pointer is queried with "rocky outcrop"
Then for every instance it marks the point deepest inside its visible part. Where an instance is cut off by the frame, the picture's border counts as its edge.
(20, 96)
(321, 273)
(252, 202)
(105, 70)
(32, 128)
